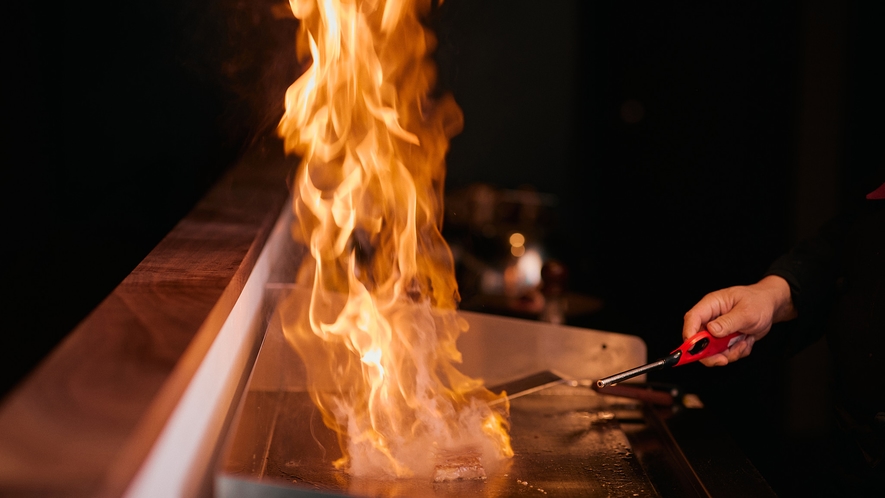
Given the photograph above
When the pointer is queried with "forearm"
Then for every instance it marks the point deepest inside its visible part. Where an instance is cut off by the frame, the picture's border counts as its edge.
(811, 271)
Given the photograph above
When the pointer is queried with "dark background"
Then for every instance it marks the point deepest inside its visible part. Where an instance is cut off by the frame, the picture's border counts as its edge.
(687, 145)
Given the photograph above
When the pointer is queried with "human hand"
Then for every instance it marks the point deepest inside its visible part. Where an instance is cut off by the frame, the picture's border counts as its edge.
(750, 309)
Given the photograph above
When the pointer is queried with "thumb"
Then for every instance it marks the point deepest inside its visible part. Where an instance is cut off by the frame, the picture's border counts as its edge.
(725, 324)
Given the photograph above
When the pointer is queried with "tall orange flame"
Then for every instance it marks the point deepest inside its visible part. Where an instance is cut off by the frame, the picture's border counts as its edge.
(379, 335)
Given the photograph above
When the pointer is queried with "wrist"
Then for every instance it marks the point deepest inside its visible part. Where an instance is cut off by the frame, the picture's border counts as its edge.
(778, 290)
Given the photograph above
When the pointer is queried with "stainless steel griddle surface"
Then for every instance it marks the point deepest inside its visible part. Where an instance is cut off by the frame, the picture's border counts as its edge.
(567, 442)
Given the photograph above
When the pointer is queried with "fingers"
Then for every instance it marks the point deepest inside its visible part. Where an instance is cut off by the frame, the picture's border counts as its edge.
(739, 350)
(717, 360)
(700, 315)
(691, 324)
(748, 348)
(736, 352)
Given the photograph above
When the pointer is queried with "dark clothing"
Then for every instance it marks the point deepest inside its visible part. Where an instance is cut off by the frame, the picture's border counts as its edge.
(837, 282)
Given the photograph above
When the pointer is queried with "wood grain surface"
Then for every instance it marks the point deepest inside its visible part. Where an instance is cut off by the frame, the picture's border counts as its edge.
(84, 420)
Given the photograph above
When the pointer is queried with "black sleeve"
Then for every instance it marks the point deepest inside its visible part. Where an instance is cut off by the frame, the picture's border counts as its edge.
(813, 269)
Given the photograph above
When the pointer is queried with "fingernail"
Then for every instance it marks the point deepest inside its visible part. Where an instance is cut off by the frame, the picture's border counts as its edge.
(714, 327)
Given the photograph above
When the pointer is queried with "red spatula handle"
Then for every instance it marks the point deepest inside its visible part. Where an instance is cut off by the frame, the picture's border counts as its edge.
(704, 344)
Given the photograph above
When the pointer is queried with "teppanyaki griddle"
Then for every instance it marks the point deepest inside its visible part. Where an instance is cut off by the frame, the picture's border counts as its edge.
(568, 439)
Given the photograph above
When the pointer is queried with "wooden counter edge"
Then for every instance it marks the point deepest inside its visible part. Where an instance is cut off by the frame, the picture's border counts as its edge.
(84, 420)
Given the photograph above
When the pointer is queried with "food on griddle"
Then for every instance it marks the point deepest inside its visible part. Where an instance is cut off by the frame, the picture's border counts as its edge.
(459, 468)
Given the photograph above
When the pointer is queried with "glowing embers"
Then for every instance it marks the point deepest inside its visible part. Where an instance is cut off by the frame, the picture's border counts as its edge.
(379, 334)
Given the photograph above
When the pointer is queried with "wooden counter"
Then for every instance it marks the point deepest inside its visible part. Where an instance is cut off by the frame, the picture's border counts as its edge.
(87, 419)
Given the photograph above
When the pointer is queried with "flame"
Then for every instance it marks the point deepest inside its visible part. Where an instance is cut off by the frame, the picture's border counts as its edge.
(379, 334)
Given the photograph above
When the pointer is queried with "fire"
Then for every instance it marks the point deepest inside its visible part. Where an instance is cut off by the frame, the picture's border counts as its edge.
(379, 334)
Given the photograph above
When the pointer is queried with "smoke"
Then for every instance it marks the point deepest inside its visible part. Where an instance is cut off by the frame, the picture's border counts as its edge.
(412, 410)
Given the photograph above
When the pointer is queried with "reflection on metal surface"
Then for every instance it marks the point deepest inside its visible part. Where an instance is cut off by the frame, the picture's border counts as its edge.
(567, 441)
